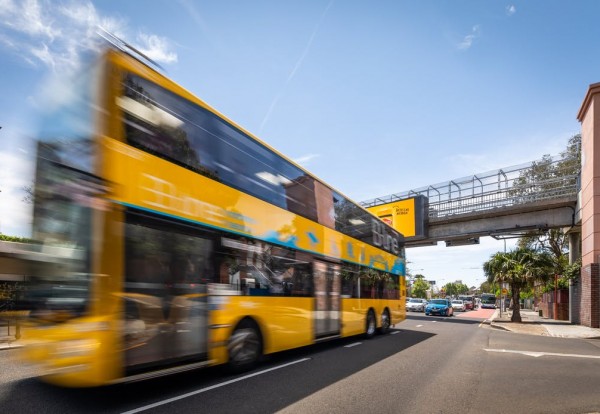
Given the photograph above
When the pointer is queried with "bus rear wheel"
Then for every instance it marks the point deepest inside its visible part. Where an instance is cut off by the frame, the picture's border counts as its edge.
(385, 322)
(371, 326)
(245, 347)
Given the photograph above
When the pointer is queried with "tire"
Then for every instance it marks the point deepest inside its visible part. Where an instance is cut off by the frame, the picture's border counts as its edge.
(244, 347)
(385, 322)
(371, 325)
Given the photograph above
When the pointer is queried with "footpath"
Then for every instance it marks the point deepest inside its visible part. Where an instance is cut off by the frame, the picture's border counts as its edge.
(8, 334)
(533, 324)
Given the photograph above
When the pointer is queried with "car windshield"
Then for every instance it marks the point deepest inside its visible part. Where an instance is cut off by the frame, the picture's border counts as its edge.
(416, 300)
(460, 302)
(439, 302)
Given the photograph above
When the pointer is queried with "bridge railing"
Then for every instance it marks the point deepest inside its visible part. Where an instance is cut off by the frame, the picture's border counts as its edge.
(545, 179)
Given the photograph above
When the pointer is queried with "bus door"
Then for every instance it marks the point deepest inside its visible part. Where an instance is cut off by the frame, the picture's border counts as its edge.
(327, 284)
(165, 296)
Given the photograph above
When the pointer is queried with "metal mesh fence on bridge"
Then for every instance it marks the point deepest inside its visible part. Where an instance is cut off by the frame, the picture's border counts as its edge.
(542, 180)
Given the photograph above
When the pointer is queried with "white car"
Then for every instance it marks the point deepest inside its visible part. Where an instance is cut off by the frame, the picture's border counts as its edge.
(459, 305)
(416, 305)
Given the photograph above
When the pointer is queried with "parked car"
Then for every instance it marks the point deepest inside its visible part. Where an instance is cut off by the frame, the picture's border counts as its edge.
(416, 305)
(469, 302)
(459, 305)
(439, 307)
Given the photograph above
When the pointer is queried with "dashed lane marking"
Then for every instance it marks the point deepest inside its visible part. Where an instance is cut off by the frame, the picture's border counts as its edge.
(354, 344)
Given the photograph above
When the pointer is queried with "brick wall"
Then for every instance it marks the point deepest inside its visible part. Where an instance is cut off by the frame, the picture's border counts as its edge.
(589, 312)
(547, 305)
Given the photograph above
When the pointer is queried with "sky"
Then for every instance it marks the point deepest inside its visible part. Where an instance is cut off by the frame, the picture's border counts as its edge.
(374, 97)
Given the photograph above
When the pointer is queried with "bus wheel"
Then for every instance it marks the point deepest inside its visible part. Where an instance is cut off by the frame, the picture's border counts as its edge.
(385, 322)
(371, 324)
(245, 347)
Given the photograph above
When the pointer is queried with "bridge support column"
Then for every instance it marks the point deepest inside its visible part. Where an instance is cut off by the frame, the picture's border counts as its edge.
(589, 116)
(574, 286)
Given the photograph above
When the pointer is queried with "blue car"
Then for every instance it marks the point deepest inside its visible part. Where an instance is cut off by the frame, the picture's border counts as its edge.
(439, 307)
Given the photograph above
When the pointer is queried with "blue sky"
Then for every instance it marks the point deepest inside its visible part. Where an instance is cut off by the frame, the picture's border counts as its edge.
(374, 97)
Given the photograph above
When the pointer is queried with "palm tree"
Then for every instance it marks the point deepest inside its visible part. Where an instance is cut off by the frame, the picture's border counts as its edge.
(520, 268)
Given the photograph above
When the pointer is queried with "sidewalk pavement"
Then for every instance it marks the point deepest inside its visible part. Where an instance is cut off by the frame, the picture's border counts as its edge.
(8, 333)
(9, 343)
(533, 324)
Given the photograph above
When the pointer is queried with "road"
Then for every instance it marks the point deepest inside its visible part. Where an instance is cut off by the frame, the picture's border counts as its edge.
(426, 365)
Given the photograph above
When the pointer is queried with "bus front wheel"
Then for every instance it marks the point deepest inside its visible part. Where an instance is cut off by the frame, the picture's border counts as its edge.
(245, 347)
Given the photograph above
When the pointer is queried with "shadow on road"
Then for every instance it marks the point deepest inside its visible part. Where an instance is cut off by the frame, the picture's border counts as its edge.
(329, 363)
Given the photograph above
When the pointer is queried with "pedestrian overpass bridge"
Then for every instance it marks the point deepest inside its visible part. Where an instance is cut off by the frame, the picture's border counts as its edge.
(505, 203)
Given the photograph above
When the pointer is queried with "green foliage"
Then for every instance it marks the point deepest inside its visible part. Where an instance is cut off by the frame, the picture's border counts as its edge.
(419, 288)
(454, 289)
(573, 271)
(561, 283)
(4, 237)
(546, 175)
(520, 268)
(527, 293)
(486, 287)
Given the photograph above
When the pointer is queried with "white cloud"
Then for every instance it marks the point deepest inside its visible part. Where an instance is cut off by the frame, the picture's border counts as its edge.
(55, 36)
(468, 40)
(511, 9)
(15, 215)
(156, 48)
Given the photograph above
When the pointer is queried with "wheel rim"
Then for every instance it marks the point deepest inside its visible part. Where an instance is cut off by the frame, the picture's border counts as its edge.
(385, 321)
(370, 324)
(244, 347)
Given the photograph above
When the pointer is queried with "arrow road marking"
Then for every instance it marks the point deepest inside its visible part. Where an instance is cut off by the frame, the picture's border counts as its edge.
(539, 354)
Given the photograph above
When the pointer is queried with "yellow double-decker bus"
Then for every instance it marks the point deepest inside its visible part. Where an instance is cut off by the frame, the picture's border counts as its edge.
(170, 238)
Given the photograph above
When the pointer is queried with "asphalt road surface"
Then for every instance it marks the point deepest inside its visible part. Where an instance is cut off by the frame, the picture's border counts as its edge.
(425, 365)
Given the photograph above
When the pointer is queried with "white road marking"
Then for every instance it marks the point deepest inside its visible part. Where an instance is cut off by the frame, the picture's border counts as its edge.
(539, 354)
(212, 387)
(418, 326)
(394, 332)
(351, 345)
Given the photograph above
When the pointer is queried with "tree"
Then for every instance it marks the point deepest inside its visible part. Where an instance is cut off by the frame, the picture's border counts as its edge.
(419, 288)
(549, 175)
(454, 289)
(519, 268)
